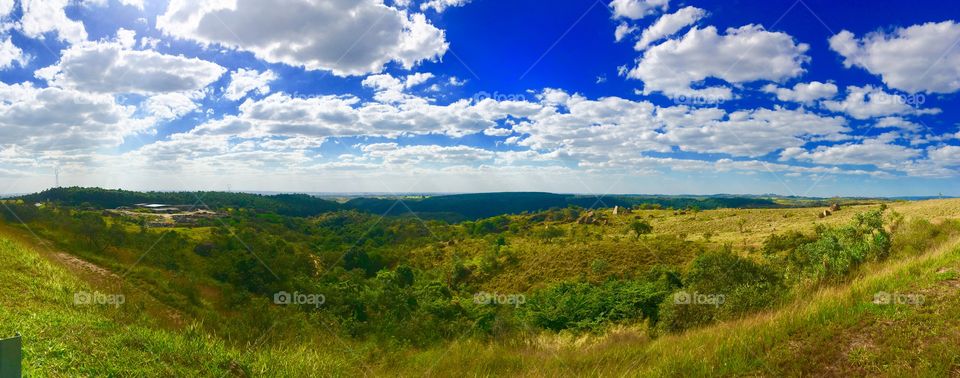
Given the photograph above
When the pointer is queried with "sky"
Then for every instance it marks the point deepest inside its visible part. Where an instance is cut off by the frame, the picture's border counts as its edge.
(804, 97)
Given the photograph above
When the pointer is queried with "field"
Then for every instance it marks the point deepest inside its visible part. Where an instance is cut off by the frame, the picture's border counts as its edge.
(216, 322)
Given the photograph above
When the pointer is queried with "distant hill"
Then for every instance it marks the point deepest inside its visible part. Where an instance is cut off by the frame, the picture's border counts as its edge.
(483, 205)
(284, 204)
(451, 208)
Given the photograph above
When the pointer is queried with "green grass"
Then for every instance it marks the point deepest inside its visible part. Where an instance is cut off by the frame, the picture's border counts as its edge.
(64, 339)
(832, 331)
(825, 330)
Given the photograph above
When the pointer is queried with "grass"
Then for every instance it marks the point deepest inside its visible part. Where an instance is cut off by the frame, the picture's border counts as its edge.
(63, 339)
(827, 330)
(833, 331)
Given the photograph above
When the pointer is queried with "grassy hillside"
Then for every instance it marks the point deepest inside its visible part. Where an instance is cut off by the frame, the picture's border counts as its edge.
(834, 331)
(401, 294)
(64, 339)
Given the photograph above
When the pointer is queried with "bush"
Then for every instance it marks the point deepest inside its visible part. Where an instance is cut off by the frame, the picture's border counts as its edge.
(640, 227)
(739, 284)
(837, 251)
(584, 307)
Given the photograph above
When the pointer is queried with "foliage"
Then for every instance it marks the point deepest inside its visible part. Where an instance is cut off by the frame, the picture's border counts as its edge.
(640, 227)
(837, 251)
(583, 306)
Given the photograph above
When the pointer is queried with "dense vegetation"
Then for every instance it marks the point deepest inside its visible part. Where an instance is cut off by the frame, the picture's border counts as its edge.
(395, 282)
(283, 204)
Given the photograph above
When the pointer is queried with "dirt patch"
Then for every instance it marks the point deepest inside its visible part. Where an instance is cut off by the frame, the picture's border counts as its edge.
(75, 263)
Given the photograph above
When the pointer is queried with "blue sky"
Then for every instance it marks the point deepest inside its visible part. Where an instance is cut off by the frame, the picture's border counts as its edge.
(624, 96)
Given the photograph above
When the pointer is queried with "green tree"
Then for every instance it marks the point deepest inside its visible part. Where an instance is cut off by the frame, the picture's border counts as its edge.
(640, 227)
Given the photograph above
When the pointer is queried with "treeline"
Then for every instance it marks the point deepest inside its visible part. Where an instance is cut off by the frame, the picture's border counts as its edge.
(283, 204)
(450, 208)
(485, 205)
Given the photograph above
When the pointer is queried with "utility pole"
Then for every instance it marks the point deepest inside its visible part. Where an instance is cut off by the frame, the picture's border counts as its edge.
(56, 175)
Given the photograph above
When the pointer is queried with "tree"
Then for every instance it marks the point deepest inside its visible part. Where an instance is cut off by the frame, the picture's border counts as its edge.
(641, 227)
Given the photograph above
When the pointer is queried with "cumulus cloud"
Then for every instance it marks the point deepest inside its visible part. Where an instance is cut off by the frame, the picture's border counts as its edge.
(945, 156)
(668, 25)
(869, 102)
(919, 58)
(756, 132)
(347, 37)
(805, 93)
(744, 54)
(877, 152)
(897, 123)
(171, 105)
(10, 54)
(48, 16)
(243, 81)
(109, 67)
(637, 9)
(55, 119)
(389, 89)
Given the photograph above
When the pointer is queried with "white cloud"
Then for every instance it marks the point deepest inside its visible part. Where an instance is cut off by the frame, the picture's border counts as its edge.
(53, 119)
(754, 132)
(920, 58)
(392, 154)
(389, 89)
(170, 105)
(637, 9)
(108, 67)
(243, 81)
(441, 5)
(126, 38)
(622, 31)
(10, 54)
(347, 37)
(945, 156)
(745, 54)
(897, 123)
(45, 16)
(668, 25)
(103, 3)
(805, 93)
(6, 7)
(869, 102)
(877, 152)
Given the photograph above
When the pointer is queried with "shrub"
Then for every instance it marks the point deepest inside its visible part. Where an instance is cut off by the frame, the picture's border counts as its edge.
(585, 307)
(641, 227)
(741, 285)
(837, 251)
